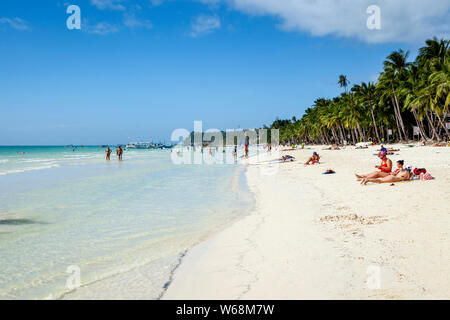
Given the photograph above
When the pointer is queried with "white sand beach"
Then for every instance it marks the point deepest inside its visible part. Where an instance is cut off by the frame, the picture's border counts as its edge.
(315, 236)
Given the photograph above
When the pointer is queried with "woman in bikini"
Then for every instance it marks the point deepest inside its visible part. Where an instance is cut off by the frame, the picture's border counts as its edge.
(398, 175)
(314, 159)
(385, 168)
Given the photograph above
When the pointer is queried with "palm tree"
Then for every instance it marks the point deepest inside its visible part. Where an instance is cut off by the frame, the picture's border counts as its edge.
(366, 96)
(411, 91)
(433, 53)
(394, 70)
(343, 82)
(406, 94)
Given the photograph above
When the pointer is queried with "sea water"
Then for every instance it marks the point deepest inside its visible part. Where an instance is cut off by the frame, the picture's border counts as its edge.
(73, 225)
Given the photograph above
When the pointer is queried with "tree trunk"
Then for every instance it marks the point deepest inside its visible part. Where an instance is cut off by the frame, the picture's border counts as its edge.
(375, 125)
(441, 123)
(430, 123)
(353, 135)
(396, 119)
(419, 124)
(340, 133)
(400, 119)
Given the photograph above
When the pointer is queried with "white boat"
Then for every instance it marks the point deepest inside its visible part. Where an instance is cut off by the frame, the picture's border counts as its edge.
(144, 145)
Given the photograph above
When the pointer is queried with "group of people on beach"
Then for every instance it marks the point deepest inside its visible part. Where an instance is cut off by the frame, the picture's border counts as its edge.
(384, 174)
(119, 153)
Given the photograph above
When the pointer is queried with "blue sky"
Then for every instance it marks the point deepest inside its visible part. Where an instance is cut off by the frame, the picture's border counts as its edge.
(141, 68)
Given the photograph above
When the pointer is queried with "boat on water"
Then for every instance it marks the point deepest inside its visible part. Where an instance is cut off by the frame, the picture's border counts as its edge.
(146, 145)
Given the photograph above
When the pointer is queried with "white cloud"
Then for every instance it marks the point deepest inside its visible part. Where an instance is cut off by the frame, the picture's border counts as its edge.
(108, 4)
(100, 28)
(204, 25)
(401, 20)
(130, 20)
(15, 23)
(156, 2)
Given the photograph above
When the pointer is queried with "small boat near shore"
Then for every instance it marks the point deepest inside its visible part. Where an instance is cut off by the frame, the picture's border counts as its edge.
(146, 145)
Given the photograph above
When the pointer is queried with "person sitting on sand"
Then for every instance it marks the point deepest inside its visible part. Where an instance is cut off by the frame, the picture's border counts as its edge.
(400, 174)
(314, 159)
(385, 168)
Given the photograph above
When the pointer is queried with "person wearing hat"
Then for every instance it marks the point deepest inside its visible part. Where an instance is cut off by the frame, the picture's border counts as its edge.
(384, 168)
(314, 159)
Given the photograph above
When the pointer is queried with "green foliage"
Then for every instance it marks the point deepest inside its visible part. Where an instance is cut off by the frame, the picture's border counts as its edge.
(407, 94)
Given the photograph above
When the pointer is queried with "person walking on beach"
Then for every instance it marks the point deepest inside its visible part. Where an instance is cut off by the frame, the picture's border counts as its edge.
(108, 153)
(119, 152)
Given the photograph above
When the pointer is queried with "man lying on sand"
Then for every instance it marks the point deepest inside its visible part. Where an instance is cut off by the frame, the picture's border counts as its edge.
(333, 147)
(398, 175)
(314, 159)
(440, 144)
(388, 151)
(385, 168)
(287, 158)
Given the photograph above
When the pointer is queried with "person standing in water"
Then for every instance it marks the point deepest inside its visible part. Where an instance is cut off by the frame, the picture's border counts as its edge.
(108, 153)
(119, 152)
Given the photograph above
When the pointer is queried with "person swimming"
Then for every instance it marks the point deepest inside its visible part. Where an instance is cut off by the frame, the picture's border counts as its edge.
(385, 168)
(400, 174)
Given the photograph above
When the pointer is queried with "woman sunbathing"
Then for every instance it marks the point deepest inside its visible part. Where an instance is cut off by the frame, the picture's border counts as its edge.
(314, 159)
(385, 168)
(333, 147)
(398, 175)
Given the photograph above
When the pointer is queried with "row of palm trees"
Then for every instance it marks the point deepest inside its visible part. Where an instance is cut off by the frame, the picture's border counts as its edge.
(406, 95)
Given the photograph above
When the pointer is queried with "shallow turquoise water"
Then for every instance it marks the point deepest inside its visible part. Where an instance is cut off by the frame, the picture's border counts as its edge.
(61, 208)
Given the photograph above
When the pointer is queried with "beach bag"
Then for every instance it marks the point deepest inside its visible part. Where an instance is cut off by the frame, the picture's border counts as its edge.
(426, 176)
(417, 172)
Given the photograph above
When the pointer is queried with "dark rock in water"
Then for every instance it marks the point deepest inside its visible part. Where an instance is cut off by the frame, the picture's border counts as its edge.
(18, 221)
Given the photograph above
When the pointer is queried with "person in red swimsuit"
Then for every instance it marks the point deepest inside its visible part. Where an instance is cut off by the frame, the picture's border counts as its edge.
(384, 169)
(398, 175)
